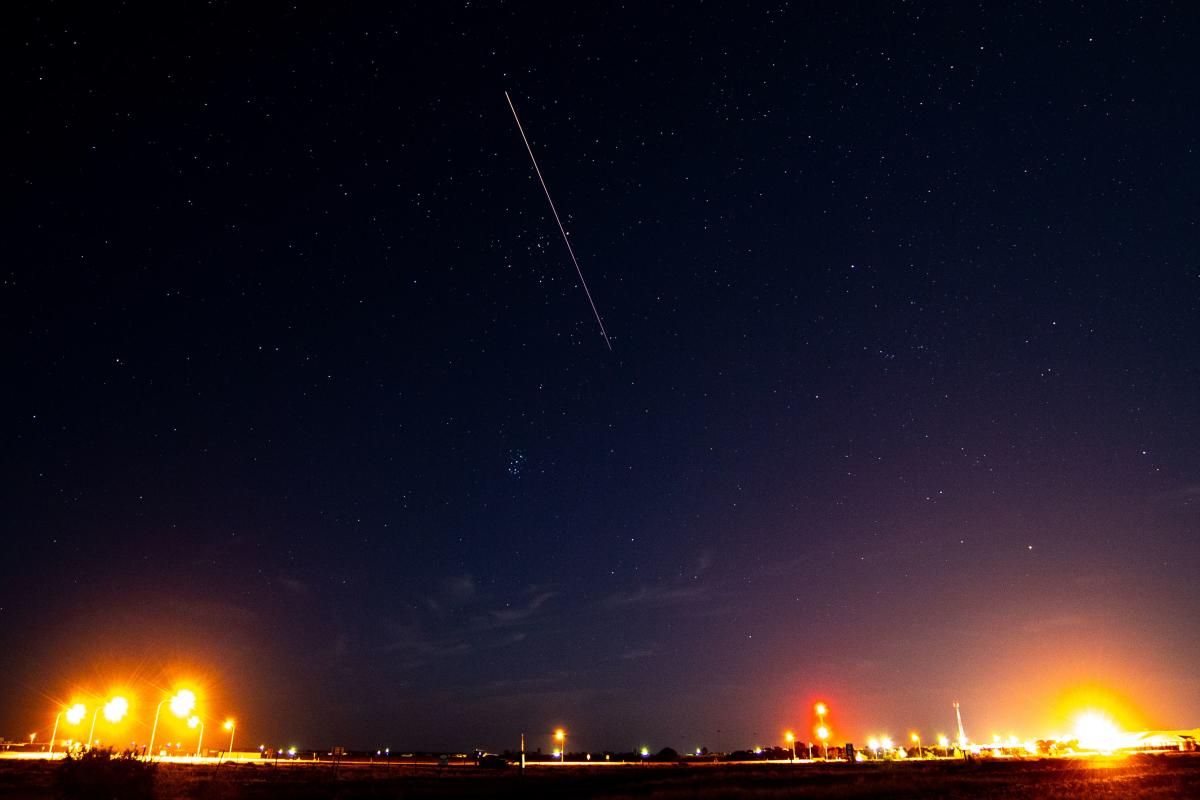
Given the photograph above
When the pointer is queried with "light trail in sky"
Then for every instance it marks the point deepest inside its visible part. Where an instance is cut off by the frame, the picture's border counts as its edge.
(561, 229)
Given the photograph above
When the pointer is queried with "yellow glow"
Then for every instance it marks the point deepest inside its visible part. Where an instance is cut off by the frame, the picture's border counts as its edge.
(183, 702)
(228, 725)
(822, 710)
(822, 733)
(886, 742)
(789, 736)
(559, 734)
(1122, 710)
(76, 713)
(943, 741)
(116, 709)
(193, 721)
(1095, 731)
(873, 743)
(914, 736)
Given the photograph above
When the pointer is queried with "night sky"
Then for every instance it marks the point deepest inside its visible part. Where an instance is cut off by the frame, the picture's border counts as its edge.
(304, 401)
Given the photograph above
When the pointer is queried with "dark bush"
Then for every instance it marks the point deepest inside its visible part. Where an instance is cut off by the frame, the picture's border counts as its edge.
(100, 774)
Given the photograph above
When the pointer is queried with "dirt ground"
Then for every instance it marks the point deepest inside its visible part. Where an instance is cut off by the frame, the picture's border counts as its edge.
(1167, 776)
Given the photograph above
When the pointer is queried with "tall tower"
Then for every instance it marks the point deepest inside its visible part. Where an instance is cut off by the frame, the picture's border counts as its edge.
(962, 737)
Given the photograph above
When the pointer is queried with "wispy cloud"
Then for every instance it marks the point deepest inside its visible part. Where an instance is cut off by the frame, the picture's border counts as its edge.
(1054, 623)
(460, 619)
(1183, 495)
(689, 586)
(639, 653)
(662, 594)
(213, 610)
(509, 614)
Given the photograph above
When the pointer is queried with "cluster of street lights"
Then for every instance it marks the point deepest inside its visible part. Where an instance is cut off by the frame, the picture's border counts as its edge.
(822, 732)
(182, 704)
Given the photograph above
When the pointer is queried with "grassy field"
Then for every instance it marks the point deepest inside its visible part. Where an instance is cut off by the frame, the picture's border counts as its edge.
(1147, 777)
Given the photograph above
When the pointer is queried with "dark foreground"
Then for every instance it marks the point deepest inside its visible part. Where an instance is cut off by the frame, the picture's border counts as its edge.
(1144, 776)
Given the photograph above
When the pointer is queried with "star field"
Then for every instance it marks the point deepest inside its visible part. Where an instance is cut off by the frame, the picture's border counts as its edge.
(303, 392)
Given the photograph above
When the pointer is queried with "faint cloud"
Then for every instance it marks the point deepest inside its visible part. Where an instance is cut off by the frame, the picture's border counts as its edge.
(293, 585)
(668, 594)
(1054, 623)
(640, 653)
(1183, 496)
(212, 610)
(458, 590)
(509, 615)
(687, 587)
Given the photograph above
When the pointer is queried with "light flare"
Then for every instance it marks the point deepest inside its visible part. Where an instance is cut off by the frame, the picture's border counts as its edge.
(116, 709)
(1095, 731)
(76, 713)
(183, 702)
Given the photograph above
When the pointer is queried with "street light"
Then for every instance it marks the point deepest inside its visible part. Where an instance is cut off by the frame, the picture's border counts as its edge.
(193, 721)
(916, 737)
(182, 704)
(114, 711)
(230, 726)
(561, 736)
(74, 714)
(791, 740)
(822, 731)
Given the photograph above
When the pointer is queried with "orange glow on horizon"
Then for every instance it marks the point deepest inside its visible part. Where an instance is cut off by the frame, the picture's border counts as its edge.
(1096, 700)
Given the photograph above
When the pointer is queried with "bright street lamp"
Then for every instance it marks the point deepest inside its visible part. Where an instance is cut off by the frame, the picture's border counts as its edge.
(561, 737)
(917, 740)
(791, 740)
(231, 727)
(182, 704)
(193, 721)
(114, 711)
(823, 735)
(75, 715)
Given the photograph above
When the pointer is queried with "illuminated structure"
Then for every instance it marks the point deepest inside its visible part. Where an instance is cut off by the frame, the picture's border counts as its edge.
(74, 714)
(114, 711)
(182, 704)
(962, 737)
(192, 722)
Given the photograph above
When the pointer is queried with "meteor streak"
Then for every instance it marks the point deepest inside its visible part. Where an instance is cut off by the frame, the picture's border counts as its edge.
(561, 229)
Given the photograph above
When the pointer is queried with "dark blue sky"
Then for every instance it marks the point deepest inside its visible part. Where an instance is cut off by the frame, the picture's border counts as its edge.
(305, 401)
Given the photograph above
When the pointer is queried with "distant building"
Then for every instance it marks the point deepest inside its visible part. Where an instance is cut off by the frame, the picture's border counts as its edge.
(1163, 742)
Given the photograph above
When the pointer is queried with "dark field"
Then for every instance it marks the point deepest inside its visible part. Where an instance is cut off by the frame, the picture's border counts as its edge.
(1146, 776)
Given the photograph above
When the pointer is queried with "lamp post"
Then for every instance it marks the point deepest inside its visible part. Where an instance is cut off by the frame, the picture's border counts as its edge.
(231, 727)
(193, 721)
(561, 737)
(916, 737)
(791, 740)
(181, 705)
(114, 710)
(822, 731)
(75, 715)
